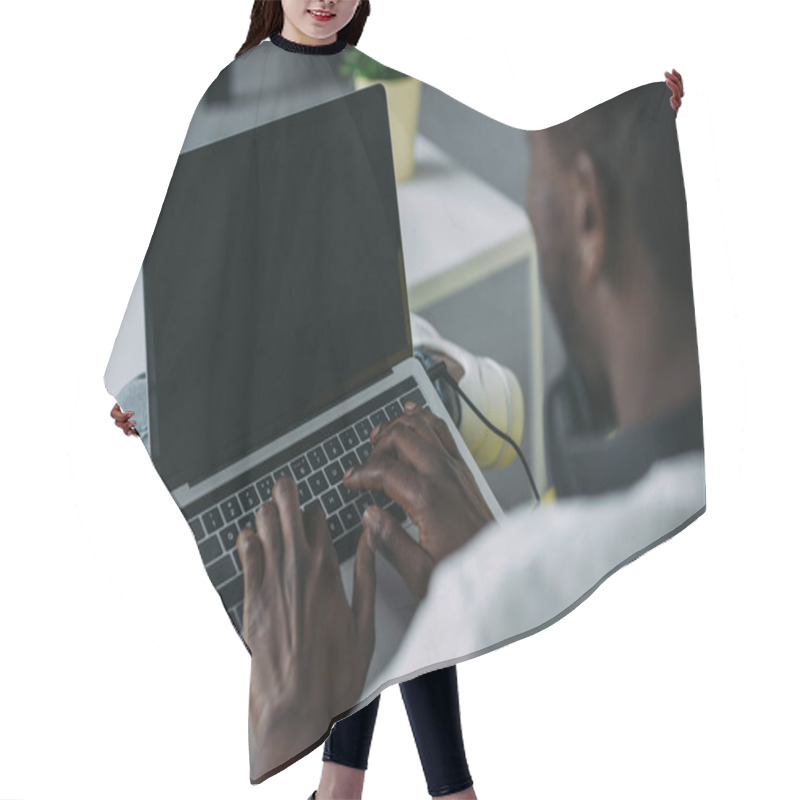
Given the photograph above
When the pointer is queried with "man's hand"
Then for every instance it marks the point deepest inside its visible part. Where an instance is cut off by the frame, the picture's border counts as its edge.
(416, 463)
(310, 650)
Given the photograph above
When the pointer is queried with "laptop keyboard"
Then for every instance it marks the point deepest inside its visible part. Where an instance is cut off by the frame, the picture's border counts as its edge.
(317, 464)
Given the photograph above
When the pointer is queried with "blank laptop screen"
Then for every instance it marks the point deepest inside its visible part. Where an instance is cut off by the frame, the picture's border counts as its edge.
(274, 283)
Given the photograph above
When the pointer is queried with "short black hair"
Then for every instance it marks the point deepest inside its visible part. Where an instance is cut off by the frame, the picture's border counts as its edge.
(632, 141)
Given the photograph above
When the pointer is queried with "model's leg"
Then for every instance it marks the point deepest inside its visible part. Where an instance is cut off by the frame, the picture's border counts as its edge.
(434, 713)
(345, 755)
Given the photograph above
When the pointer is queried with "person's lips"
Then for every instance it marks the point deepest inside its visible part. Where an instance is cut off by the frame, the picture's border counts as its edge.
(321, 15)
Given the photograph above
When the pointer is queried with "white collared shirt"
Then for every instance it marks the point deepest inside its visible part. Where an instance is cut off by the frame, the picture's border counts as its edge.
(518, 576)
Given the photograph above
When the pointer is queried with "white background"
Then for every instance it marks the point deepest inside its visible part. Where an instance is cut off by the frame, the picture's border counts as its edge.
(119, 674)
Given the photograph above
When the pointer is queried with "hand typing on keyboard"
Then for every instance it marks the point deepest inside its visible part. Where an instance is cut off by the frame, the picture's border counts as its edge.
(310, 650)
(416, 463)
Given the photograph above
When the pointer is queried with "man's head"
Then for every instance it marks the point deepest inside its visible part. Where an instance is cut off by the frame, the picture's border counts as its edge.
(607, 205)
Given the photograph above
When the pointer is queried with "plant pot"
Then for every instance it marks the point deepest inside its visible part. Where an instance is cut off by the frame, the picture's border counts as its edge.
(402, 99)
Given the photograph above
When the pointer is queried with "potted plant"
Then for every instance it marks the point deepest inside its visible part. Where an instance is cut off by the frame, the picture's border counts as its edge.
(402, 99)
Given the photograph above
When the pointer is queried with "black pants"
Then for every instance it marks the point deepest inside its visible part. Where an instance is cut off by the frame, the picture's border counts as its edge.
(433, 711)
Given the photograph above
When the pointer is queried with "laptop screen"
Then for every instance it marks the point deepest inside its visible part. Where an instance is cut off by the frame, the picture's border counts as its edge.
(274, 283)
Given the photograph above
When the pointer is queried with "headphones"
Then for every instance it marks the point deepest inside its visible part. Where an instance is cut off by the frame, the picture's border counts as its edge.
(586, 456)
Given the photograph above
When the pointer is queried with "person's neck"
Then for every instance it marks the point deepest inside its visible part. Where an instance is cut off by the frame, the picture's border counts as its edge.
(651, 357)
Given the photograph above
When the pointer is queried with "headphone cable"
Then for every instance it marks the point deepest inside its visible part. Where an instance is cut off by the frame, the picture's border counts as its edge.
(439, 370)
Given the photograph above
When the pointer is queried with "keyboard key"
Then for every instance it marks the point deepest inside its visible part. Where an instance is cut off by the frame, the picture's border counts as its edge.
(397, 512)
(264, 486)
(303, 492)
(220, 571)
(313, 506)
(377, 417)
(331, 501)
(249, 498)
(232, 593)
(248, 521)
(362, 501)
(237, 560)
(212, 520)
(335, 526)
(317, 458)
(363, 428)
(394, 410)
(347, 545)
(197, 528)
(348, 460)
(210, 549)
(301, 468)
(231, 509)
(363, 451)
(347, 494)
(349, 439)
(349, 516)
(317, 482)
(333, 448)
(334, 472)
(282, 471)
(415, 396)
(228, 536)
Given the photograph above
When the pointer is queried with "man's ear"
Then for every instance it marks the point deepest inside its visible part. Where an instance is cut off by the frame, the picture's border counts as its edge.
(590, 220)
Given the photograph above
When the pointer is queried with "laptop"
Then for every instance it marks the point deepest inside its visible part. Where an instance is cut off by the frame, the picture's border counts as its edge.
(278, 334)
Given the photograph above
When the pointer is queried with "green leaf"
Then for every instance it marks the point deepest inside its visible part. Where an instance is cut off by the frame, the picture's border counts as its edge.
(358, 64)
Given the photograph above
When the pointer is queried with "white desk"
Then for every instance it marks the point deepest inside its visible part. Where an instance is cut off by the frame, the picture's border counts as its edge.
(458, 231)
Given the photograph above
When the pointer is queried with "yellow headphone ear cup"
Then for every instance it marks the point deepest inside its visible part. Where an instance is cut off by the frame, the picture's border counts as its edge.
(495, 391)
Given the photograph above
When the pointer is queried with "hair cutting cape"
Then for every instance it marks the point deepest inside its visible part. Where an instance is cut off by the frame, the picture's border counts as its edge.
(277, 285)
